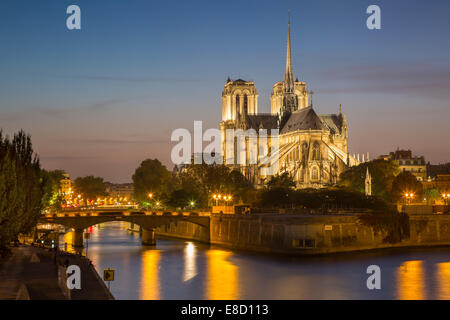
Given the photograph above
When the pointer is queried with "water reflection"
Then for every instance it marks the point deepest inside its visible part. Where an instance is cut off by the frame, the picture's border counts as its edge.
(443, 280)
(410, 281)
(190, 266)
(222, 279)
(150, 287)
(188, 270)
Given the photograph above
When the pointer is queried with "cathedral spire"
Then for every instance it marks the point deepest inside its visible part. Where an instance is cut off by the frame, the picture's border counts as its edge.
(288, 74)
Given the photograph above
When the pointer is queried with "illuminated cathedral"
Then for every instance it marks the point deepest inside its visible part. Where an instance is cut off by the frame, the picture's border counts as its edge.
(313, 148)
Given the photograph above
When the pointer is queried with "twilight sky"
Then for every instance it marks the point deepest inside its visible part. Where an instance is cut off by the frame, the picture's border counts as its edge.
(100, 100)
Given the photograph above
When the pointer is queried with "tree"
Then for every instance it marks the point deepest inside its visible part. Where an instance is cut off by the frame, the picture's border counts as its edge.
(205, 180)
(404, 183)
(432, 195)
(151, 177)
(281, 181)
(21, 187)
(52, 184)
(90, 187)
(383, 174)
(239, 187)
(181, 199)
(275, 197)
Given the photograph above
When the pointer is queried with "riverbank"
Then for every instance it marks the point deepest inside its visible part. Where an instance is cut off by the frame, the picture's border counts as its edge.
(32, 273)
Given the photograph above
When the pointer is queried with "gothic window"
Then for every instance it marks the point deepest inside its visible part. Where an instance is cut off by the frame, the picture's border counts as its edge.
(245, 104)
(237, 104)
(315, 174)
(316, 151)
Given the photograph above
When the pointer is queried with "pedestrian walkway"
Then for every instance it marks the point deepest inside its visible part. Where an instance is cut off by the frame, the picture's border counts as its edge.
(32, 273)
(92, 286)
(29, 273)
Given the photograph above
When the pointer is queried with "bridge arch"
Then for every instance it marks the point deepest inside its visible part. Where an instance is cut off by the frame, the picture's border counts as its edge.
(148, 223)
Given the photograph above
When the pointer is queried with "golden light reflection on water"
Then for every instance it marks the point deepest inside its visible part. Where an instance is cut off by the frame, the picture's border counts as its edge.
(190, 266)
(410, 281)
(443, 280)
(150, 288)
(222, 278)
(68, 239)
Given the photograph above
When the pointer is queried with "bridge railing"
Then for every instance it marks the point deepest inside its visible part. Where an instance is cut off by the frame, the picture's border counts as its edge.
(97, 213)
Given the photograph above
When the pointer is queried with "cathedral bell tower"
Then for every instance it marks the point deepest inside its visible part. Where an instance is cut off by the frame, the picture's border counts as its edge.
(239, 98)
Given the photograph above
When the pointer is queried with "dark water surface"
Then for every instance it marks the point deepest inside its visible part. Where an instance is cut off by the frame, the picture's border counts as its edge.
(177, 269)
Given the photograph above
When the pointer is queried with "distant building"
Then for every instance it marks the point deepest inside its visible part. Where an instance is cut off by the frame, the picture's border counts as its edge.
(407, 162)
(437, 169)
(121, 190)
(65, 190)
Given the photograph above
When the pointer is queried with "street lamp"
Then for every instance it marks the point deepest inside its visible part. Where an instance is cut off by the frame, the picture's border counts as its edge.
(409, 197)
(446, 197)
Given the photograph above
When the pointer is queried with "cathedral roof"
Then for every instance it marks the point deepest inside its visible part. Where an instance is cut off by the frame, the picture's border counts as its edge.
(332, 121)
(262, 121)
(303, 119)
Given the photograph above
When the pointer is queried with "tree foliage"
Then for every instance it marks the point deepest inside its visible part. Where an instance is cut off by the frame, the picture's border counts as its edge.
(181, 199)
(90, 187)
(383, 173)
(432, 194)
(21, 187)
(283, 181)
(392, 224)
(151, 177)
(406, 182)
(202, 181)
(52, 184)
(329, 198)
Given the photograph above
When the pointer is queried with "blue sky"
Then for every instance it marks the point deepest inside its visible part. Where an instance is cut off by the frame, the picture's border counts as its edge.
(102, 99)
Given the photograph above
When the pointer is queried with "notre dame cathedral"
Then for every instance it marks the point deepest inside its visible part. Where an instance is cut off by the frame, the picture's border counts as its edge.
(313, 147)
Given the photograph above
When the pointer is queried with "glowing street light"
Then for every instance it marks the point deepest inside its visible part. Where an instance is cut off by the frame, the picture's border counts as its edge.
(409, 197)
(217, 198)
(446, 197)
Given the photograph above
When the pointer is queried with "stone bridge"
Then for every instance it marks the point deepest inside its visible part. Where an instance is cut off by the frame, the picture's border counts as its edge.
(148, 221)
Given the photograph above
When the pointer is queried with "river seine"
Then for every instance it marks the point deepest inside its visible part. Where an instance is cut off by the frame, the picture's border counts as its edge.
(178, 269)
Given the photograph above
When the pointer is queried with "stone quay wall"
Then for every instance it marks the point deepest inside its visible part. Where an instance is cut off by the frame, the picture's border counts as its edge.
(307, 234)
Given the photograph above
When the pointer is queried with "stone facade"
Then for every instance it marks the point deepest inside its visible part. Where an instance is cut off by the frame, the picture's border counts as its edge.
(313, 148)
